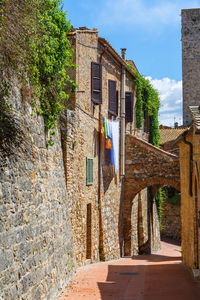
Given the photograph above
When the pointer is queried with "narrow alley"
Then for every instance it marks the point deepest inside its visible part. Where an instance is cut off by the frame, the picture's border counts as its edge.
(160, 276)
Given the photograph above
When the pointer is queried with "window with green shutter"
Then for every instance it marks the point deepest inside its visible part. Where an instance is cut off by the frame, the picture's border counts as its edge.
(89, 171)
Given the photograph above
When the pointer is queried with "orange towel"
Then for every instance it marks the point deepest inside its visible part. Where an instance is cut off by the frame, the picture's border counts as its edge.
(108, 143)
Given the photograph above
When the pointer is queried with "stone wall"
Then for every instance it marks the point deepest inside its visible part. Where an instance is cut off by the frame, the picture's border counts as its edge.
(143, 234)
(161, 168)
(171, 221)
(106, 193)
(36, 248)
(51, 220)
(190, 60)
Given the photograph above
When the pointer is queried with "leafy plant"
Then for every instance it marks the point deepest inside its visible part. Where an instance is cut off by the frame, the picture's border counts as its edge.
(148, 100)
(42, 54)
(160, 196)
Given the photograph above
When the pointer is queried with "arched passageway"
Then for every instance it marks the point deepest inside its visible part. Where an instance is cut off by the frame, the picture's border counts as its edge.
(146, 167)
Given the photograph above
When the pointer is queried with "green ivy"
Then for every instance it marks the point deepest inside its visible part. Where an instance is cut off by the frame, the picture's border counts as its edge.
(160, 196)
(44, 54)
(51, 57)
(148, 100)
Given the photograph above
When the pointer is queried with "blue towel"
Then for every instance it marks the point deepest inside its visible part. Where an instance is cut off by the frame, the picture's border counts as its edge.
(112, 158)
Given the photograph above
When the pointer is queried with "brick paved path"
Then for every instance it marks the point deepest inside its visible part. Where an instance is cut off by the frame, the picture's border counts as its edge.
(147, 277)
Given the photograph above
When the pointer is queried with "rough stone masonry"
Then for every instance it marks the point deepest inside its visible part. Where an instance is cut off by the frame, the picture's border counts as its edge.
(36, 250)
(190, 61)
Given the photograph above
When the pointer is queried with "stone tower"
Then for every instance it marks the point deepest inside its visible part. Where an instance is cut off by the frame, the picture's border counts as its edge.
(190, 60)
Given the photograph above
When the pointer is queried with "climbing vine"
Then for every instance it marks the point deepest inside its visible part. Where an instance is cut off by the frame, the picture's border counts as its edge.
(43, 56)
(148, 100)
(160, 196)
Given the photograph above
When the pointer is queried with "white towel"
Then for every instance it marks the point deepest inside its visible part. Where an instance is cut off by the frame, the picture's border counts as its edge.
(109, 129)
(115, 143)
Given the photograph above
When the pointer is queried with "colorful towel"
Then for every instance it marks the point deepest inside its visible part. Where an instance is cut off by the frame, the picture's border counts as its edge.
(115, 143)
(105, 126)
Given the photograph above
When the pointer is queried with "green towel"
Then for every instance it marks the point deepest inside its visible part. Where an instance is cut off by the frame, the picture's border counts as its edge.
(105, 126)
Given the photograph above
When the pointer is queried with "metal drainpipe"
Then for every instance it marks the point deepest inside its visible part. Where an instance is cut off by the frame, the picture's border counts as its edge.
(122, 103)
(101, 252)
(191, 162)
(99, 164)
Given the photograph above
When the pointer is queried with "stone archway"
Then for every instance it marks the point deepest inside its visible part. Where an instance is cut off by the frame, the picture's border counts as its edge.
(146, 165)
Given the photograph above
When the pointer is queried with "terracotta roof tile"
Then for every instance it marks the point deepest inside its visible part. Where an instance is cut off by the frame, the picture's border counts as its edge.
(195, 112)
(170, 134)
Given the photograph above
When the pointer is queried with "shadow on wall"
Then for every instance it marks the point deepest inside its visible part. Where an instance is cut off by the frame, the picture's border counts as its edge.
(120, 220)
(107, 170)
(12, 135)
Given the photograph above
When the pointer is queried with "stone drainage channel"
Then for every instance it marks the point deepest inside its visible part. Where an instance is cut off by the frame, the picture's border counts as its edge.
(160, 276)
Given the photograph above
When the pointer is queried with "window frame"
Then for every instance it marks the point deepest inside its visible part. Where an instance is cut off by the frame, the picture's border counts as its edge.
(112, 105)
(129, 116)
(93, 91)
(89, 171)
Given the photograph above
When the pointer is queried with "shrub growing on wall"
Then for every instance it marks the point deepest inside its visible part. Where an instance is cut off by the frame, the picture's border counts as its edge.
(148, 100)
(42, 53)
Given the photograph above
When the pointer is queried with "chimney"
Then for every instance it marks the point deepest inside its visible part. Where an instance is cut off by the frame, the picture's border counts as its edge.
(176, 125)
(123, 53)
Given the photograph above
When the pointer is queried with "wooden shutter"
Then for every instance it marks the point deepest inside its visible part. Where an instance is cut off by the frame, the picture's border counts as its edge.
(96, 82)
(89, 171)
(112, 97)
(117, 102)
(129, 106)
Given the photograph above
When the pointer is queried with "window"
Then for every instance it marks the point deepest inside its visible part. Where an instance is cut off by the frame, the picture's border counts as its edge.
(129, 106)
(117, 102)
(89, 171)
(112, 94)
(96, 82)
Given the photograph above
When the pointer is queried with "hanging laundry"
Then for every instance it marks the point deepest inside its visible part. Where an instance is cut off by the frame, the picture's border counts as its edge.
(112, 158)
(109, 129)
(105, 126)
(115, 143)
(108, 144)
(102, 132)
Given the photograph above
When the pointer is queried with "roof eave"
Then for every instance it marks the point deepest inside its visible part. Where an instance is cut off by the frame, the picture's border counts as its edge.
(116, 55)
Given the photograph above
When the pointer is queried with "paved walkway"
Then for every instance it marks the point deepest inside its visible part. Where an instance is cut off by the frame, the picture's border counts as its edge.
(146, 277)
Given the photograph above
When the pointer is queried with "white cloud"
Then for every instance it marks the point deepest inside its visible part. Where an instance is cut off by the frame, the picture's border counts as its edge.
(170, 92)
(138, 12)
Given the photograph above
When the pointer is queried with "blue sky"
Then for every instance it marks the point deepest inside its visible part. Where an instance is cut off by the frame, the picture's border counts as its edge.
(151, 32)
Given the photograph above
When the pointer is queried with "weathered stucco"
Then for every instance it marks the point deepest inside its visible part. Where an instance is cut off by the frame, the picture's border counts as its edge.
(190, 202)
